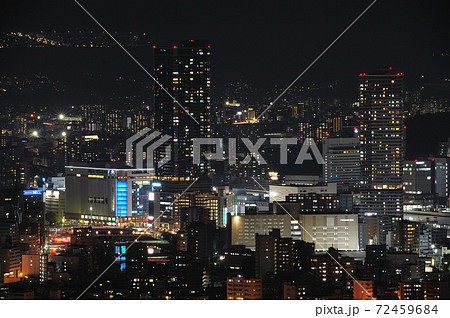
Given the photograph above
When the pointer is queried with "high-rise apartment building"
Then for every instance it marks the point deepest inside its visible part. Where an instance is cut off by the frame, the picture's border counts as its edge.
(382, 147)
(184, 72)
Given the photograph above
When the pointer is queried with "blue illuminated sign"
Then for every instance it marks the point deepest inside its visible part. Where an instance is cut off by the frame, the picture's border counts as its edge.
(32, 192)
(122, 198)
(121, 249)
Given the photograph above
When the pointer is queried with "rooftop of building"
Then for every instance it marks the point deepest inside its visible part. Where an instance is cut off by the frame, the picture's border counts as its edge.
(388, 71)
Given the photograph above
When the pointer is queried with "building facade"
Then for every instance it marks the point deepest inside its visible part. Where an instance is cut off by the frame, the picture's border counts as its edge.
(382, 137)
(338, 230)
(245, 227)
(240, 288)
(342, 162)
(184, 72)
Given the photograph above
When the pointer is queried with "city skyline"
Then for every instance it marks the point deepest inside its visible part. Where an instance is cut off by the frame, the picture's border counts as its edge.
(405, 24)
(225, 153)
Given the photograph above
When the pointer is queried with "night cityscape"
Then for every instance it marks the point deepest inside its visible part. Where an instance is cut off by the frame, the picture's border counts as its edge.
(225, 150)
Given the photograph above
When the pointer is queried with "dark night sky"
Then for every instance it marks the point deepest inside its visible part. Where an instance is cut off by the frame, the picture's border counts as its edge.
(267, 42)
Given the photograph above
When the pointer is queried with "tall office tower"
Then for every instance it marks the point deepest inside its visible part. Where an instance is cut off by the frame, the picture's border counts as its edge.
(184, 71)
(382, 148)
(342, 162)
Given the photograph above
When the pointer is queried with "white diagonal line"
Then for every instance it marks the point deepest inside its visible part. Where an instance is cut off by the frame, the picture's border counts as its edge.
(320, 244)
(135, 240)
(316, 59)
(136, 61)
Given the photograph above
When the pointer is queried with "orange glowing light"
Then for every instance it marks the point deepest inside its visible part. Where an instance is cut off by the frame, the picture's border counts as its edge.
(61, 240)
